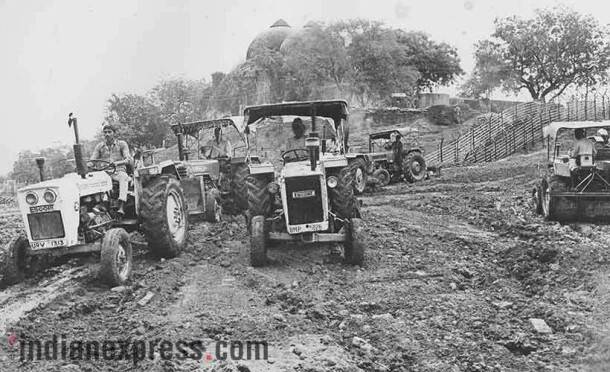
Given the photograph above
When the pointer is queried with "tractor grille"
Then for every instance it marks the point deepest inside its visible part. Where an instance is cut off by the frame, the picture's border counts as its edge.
(304, 199)
(182, 172)
(47, 225)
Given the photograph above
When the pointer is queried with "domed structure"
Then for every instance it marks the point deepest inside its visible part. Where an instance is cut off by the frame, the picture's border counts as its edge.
(296, 37)
(270, 39)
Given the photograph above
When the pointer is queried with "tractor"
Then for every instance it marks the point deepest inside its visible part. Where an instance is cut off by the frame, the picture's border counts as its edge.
(78, 214)
(379, 162)
(575, 187)
(211, 185)
(311, 199)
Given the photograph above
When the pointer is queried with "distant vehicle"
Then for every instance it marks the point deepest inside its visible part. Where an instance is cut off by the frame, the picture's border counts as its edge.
(574, 188)
(379, 161)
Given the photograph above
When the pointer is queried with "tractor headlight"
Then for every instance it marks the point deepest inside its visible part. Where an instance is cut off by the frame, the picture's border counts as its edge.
(332, 181)
(49, 196)
(31, 198)
(273, 187)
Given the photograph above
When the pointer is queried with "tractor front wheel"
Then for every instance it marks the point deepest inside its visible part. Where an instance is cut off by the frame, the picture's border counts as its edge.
(15, 255)
(554, 184)
(213, 209)
(358, 167)
(354, 246)
(239, 187)
(164, 215)
(537, 199)
(116, 257)
(383, 176)
(258, 241)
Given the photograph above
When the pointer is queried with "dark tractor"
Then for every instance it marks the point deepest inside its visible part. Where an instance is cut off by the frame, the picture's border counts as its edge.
(311, 198)
(212, 184)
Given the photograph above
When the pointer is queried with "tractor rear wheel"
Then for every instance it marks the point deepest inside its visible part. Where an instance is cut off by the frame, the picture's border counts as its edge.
(342, 200)
(15, 261)
(116, 257)
(414, 167)
(354, 246)
(239, 186)
(258, 241)
(213, 209)
(553, 184)
(164, 215)
(259, 199)
(383, 176)
(358, 167)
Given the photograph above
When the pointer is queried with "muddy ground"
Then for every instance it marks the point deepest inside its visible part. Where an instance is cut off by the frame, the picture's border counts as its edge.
(456, 268)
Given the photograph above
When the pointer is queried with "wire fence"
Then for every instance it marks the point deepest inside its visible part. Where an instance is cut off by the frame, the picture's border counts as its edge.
(498, 135)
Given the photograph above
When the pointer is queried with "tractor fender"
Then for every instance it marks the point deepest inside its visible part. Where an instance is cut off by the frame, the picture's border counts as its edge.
(414, 149)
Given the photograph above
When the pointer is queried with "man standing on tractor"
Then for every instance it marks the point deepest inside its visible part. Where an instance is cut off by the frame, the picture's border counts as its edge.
(116, 152)
(217, 147)
(397, 153)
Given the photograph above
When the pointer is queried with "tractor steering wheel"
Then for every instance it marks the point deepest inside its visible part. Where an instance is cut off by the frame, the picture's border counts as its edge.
(297, 155)
(98, 165)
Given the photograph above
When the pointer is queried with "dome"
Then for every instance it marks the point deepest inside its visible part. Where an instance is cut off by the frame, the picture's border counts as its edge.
(297, 37)
(271, 39)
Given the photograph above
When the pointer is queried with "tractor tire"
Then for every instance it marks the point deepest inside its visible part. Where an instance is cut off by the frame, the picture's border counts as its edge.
(414, 167)
(537, 199)
(258, 241)
(164, 216)
(383, 176)
(555, 183)
(359, 170)
(15, 261)
(116, 257)
(259, 199)
(354, 246)
(239, 186)
(213, 209)
(342, 200)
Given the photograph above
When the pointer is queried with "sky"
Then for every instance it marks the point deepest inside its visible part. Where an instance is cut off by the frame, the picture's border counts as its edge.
(62, 56)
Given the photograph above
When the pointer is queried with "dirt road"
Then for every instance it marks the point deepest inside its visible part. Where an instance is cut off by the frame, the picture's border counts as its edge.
(457, 268)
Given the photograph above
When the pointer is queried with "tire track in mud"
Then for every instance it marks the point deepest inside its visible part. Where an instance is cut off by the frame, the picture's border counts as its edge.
(18, 300)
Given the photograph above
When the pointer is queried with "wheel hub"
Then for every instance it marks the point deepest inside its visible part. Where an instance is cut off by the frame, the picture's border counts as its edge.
(175, 216)
(122, 263)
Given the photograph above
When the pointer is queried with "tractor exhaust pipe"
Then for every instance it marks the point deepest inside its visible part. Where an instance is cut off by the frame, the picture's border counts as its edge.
(81, 167)
(40, 164)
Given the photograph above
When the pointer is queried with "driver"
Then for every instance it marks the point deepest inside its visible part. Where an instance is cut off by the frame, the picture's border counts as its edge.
(116, 152)
(397, 152)
(217, 147)
(298, 140)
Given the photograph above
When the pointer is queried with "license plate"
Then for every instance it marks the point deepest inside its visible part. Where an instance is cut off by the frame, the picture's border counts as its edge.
(303, 194)
(41, 208)
(48, 244)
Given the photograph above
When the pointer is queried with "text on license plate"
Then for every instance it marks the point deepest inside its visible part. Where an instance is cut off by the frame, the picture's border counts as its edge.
(303, 194)
(48, 244)
(41, 208)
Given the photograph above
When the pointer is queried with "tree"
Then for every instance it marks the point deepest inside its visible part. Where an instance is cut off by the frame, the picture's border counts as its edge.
(488, 73)
(437, 63)
(548, 53)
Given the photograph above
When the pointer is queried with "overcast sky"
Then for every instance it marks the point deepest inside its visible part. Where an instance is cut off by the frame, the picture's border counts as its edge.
(71, 55)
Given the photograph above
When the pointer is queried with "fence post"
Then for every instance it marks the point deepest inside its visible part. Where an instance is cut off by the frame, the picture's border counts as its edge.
(457, 149)
(595, 107)
(472, 146)
(441, 148)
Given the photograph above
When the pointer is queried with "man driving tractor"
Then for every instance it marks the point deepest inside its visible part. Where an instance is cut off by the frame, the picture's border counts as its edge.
(116, 152)
(217, 147)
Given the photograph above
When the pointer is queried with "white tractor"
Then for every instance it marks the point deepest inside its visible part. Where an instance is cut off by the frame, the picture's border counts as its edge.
(78, 214)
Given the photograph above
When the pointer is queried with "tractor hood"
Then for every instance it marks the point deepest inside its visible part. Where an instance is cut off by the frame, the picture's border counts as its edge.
(94, 182)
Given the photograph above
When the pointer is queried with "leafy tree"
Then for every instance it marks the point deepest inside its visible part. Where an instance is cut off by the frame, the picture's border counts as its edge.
(548, 53)
(488, 73)
(437, 63)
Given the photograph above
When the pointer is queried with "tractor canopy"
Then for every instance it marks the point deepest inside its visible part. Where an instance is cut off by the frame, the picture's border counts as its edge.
(193, 128)
(550, 131)
(335, 110)
(559, 136)
(406, 131)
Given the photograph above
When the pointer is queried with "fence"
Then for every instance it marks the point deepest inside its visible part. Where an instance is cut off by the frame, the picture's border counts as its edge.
(499, 135)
